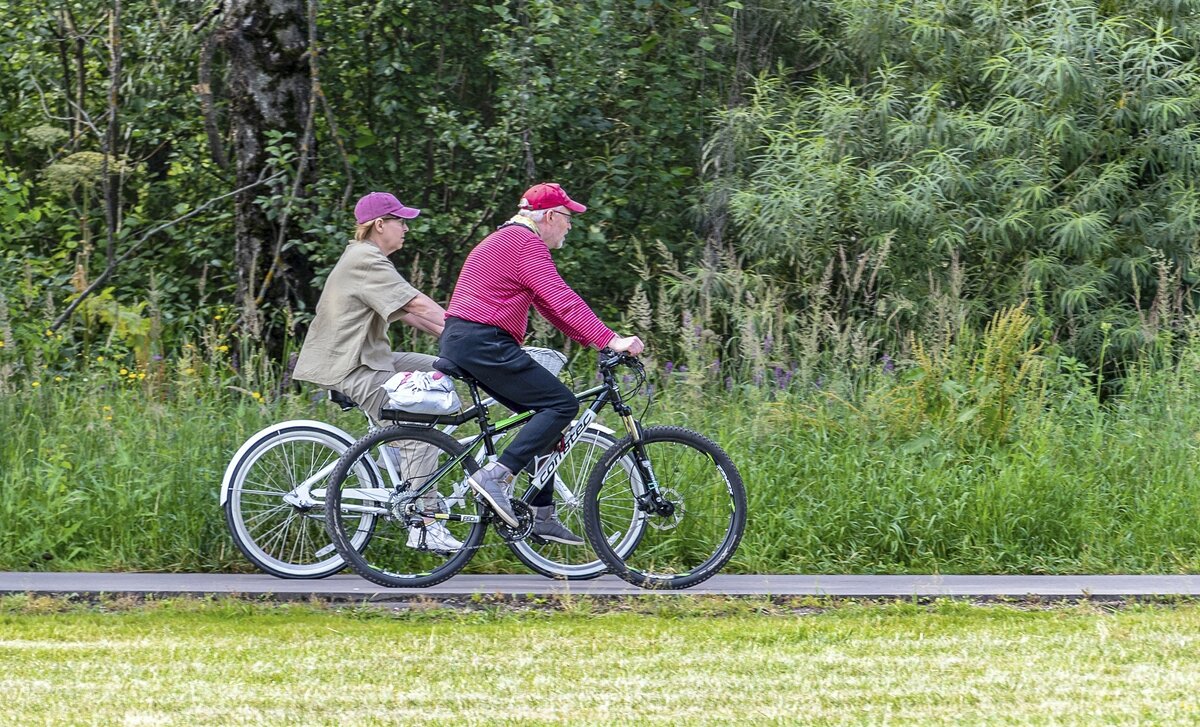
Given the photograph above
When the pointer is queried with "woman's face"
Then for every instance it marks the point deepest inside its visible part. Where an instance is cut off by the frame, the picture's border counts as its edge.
(389, 234)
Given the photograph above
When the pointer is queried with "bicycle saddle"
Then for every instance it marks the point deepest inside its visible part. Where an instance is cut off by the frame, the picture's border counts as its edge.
(451, 369)
(342, 400)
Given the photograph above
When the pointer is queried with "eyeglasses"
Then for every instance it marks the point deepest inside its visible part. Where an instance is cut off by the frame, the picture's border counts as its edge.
(568, 215)
(389, 219)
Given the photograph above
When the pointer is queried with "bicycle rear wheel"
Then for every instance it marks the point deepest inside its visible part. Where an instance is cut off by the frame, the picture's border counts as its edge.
(273, 499)
(577, 562)
(691, 532)
(405, 550)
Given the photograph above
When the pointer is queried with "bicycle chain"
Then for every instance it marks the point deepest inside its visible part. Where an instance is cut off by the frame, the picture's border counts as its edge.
(525, 529)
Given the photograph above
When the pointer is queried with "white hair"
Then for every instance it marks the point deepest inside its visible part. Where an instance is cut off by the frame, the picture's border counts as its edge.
(535, 215)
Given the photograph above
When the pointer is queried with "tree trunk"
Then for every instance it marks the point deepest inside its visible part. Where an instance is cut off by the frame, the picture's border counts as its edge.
(268, 85)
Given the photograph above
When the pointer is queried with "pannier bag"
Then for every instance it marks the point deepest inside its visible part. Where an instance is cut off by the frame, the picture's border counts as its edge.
(422, 392)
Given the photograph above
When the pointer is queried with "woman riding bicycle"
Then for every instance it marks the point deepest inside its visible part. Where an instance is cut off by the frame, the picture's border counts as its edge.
(509, 271)
(347, 347)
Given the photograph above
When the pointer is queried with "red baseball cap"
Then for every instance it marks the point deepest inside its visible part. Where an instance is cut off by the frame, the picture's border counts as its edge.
(381, 204)
(545, 196)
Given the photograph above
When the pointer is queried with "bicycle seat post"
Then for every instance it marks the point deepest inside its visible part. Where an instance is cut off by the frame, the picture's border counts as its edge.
(454, 371)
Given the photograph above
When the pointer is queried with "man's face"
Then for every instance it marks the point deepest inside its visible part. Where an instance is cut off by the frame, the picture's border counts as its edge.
(554, 227)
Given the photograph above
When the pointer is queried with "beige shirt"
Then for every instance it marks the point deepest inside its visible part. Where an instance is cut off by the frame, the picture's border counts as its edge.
(362, 292)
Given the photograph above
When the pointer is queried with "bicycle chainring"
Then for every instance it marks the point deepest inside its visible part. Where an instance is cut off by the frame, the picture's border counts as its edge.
(524, 527)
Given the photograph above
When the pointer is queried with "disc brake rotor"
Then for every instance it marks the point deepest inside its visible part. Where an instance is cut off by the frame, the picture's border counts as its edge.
(659, 522)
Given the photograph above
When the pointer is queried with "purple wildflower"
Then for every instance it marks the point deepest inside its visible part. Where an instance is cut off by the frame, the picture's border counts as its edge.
(670, 367)
(888, 364)
(286, 380)
(782, 378)
(758, 378)
(768, 344)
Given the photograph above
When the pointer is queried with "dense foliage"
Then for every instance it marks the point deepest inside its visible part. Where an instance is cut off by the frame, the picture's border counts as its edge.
(934, 162)
(773, 184)
(455, 106)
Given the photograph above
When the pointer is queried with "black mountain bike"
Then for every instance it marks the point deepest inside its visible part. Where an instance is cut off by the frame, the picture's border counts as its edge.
(664, 506)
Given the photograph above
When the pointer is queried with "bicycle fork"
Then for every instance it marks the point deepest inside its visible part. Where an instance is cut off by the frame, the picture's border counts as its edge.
(650, 500)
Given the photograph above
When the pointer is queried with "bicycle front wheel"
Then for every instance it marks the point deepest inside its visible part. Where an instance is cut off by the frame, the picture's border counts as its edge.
(419, 539)
(274, 504)
(688, 496)
(577, 562)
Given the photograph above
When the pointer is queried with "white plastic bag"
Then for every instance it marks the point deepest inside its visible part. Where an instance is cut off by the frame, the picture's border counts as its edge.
(422, 392)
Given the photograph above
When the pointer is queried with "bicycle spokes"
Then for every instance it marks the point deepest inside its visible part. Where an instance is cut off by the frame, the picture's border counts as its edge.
(692, 510)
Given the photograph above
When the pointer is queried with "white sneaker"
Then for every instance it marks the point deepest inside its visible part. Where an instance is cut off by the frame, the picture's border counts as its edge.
(437, 538)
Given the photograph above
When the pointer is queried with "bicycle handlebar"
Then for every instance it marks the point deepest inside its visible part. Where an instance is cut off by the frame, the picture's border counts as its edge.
(610, 359)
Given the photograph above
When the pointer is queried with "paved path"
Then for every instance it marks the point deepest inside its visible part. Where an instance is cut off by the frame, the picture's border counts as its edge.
(349, 587)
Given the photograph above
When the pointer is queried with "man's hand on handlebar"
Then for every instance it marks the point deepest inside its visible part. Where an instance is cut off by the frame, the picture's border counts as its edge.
(631, 345)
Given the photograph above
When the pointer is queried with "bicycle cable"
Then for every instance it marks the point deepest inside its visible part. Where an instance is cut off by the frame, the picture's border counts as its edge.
(642, 387)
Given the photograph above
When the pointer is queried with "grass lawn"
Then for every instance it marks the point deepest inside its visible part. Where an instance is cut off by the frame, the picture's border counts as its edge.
(679, 661)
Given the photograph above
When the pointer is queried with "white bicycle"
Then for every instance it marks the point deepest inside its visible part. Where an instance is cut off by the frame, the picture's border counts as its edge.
(274, 488)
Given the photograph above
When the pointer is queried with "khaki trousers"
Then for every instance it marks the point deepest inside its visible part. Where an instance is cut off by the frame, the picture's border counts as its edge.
(417, 461)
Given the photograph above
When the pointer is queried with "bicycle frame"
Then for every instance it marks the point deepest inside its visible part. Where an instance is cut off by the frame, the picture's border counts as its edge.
(606, 394)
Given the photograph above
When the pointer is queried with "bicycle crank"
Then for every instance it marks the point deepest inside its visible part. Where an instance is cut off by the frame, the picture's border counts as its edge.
(524, 526)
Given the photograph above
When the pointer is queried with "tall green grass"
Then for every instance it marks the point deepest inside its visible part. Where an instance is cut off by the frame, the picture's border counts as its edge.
(988, 456)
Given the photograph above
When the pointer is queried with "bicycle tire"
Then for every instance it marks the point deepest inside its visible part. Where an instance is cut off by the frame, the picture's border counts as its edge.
(390, 561)
(283, 539)
(576, 562)
(693, 543)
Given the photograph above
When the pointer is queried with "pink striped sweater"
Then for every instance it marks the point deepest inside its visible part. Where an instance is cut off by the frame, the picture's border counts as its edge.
(511, 270)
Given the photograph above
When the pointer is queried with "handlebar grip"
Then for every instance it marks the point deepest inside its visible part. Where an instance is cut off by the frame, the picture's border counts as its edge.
(610, 359)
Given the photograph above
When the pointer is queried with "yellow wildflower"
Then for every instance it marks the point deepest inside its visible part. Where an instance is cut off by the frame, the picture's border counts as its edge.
(58, 378)
(123, 371)
(36, 384)
(222, 348)
(141, 375)
(99, 359)
(189, 371)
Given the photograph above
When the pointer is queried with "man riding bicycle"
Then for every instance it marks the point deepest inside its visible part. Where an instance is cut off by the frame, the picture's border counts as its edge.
(509, 271)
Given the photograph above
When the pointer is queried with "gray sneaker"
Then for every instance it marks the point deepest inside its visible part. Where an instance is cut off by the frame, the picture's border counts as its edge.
(493, 483)
(547, 526)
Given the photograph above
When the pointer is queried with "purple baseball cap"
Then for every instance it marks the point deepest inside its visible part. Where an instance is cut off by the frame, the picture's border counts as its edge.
(381, 204)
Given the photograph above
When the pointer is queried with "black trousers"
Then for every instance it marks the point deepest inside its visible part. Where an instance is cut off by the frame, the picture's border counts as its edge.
(494, 358)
